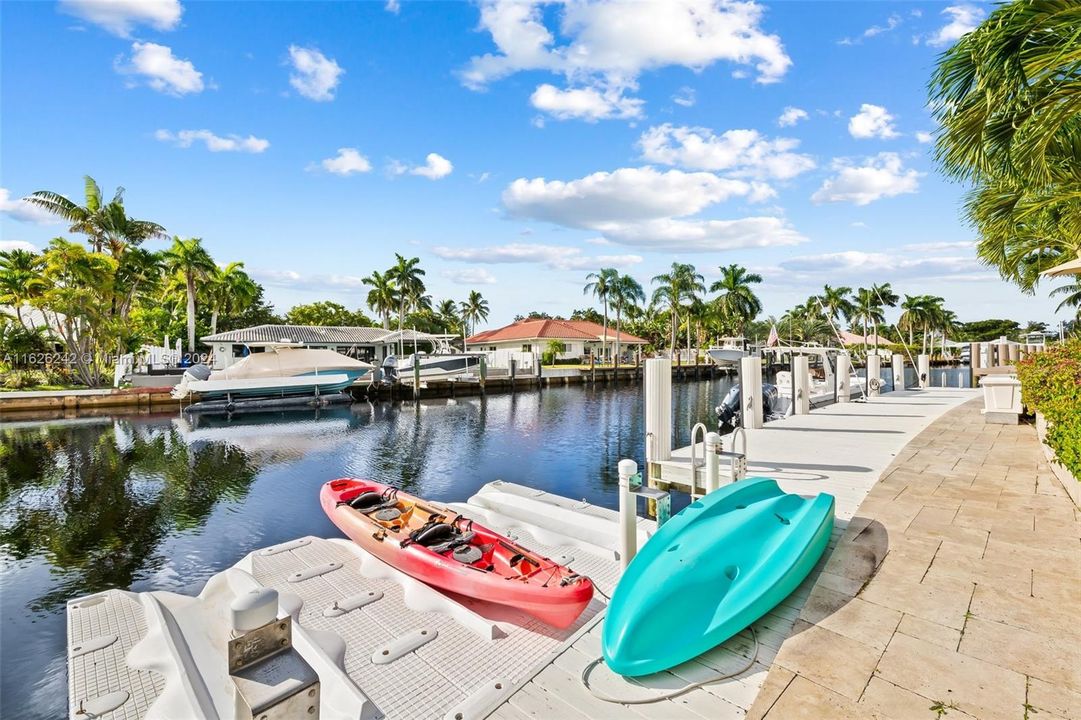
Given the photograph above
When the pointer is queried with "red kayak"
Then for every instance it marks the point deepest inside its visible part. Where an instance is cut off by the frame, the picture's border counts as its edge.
(451, 552)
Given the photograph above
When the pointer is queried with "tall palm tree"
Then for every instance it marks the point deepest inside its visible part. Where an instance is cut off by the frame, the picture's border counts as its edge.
(106, 224)
(867, 309)
(407, 277)
(888, 298)
(229, 290)
(383, 297)
(474, 308)
(947, 323)
(680, 284)
(1006, 98)
(836, 302)
(189, 260)
(737, 302)
(625, 292)
(600, 285)
(919, 313)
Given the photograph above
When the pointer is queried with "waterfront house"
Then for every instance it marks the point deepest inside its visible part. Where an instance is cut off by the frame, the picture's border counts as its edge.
(576, 338)
(371, 344)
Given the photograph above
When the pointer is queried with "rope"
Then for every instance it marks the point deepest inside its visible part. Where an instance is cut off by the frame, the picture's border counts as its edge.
(669, 695)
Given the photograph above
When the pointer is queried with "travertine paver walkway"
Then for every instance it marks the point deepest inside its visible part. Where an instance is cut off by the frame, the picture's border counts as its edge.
(954, 592)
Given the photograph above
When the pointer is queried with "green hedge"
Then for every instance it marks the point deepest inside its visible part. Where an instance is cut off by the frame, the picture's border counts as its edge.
(1051, 385)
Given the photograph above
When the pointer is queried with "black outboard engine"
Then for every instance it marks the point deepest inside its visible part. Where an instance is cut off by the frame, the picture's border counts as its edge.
(390, 369)
(730, 411)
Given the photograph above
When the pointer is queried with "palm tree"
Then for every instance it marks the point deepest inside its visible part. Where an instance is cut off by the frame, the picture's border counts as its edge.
(474, 308)
(383, 297)
(600, 285)
(868, 309)
(447, 310)
(836, 303)
(20, 280)
(1072, 293)
(919, 312)
(888, 298)
(737, 301)
(1006, 98)
(229, 290)
(105, 224)
(681, 284)
(189, 260)
(625, 292)
(407, 277)
(947, 323)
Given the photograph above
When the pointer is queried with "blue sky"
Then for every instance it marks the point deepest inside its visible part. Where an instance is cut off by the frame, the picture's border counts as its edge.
(512, 147)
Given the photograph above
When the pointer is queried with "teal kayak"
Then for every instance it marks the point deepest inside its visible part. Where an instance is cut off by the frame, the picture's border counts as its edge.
(712, 570)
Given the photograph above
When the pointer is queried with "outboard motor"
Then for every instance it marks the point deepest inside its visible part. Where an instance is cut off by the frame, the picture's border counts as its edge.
(730, 411)
(390, 369)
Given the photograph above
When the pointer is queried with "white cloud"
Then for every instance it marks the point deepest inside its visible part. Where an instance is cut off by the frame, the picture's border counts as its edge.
(939, 246)
(878, 177)
(469, 276)
(892, 23)
(557, 257)
(963, 19)
(925, 137)
(214, 143)
(590, 103)
(6, 245)
(742, 152)
(393, 6)
(857, 263)
(315, 76)
(347, 162)
(644, 207)
(163, 71)
(302, 281)
(120, 16)
(609, 43)
(19, 209)
(791, 116)
(685, 97)
(872, 121)
(435, 167)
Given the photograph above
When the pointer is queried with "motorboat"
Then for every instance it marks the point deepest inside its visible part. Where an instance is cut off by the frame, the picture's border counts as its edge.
(822, 377)
(432, 366)
(729, 352)
(279, 371)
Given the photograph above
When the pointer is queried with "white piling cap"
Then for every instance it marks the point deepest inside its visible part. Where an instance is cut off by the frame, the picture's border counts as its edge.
(254, 609)
(627, 468)
(713, 440)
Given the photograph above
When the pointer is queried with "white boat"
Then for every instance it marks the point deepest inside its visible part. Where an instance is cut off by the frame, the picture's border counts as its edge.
(729, 351)
(280, 371)
(822, 380)
(432, 366)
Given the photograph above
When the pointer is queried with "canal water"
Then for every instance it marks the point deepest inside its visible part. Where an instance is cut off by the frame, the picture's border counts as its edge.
(162, 502)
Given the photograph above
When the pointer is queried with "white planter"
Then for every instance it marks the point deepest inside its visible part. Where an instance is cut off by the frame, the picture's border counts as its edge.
(1001, 399)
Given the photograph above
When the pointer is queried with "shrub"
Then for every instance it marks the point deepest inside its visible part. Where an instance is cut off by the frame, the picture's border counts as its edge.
(19, 379)
(1051, 385)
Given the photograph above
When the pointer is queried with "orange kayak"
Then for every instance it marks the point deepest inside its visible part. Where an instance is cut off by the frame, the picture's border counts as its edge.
(442, 548)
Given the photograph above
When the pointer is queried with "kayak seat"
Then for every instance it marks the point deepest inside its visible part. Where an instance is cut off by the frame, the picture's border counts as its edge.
(436, 533)
(366, 501)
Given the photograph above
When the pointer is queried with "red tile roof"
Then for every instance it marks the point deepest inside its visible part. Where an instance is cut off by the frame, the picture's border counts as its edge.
(538, 329)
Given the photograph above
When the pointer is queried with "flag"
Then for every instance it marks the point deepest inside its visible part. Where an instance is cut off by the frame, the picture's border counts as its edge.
(773, 338)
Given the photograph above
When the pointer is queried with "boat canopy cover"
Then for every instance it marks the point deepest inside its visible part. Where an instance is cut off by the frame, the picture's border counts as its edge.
(289, 362)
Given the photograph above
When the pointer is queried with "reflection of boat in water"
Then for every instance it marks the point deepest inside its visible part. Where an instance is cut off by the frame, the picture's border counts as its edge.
(280, 372)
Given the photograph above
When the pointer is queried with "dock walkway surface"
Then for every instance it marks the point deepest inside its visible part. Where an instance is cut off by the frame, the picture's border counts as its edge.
(954, 591)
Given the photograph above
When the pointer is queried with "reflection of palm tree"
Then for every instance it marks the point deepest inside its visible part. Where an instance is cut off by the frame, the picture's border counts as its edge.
(80, 497)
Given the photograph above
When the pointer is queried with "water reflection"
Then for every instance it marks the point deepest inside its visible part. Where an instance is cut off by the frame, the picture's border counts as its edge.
(163, 502)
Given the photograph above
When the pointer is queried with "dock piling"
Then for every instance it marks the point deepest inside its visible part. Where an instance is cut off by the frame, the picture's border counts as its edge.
(874, 375)
(628, 513)
(801, 385)
(923, 365)
(751, 391)
(658, 392)
(844, 369)
(898, 371)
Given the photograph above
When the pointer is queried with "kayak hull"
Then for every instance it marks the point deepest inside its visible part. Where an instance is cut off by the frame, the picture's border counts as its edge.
(712, 570)
(504, 573)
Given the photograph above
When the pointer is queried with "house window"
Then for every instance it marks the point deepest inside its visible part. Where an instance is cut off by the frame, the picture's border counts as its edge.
(527, 348)
(560, 347)
(492, 348)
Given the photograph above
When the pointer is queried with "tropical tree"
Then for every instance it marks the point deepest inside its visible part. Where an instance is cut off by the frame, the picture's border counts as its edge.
(229, 290)
(599, 284)
(1071, 297)
(1006, 98)
(106, 224)
(407, 277)
(919, 313)
(189, 260)
(836, 303)
(737, 304)
(679, 285)
(20, 280)
(326, 313)
(474, 308)
(383, 296)
(867, 309)
(624, 293)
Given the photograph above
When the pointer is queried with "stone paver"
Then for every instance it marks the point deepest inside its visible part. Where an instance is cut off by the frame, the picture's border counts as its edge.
(955, 590)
